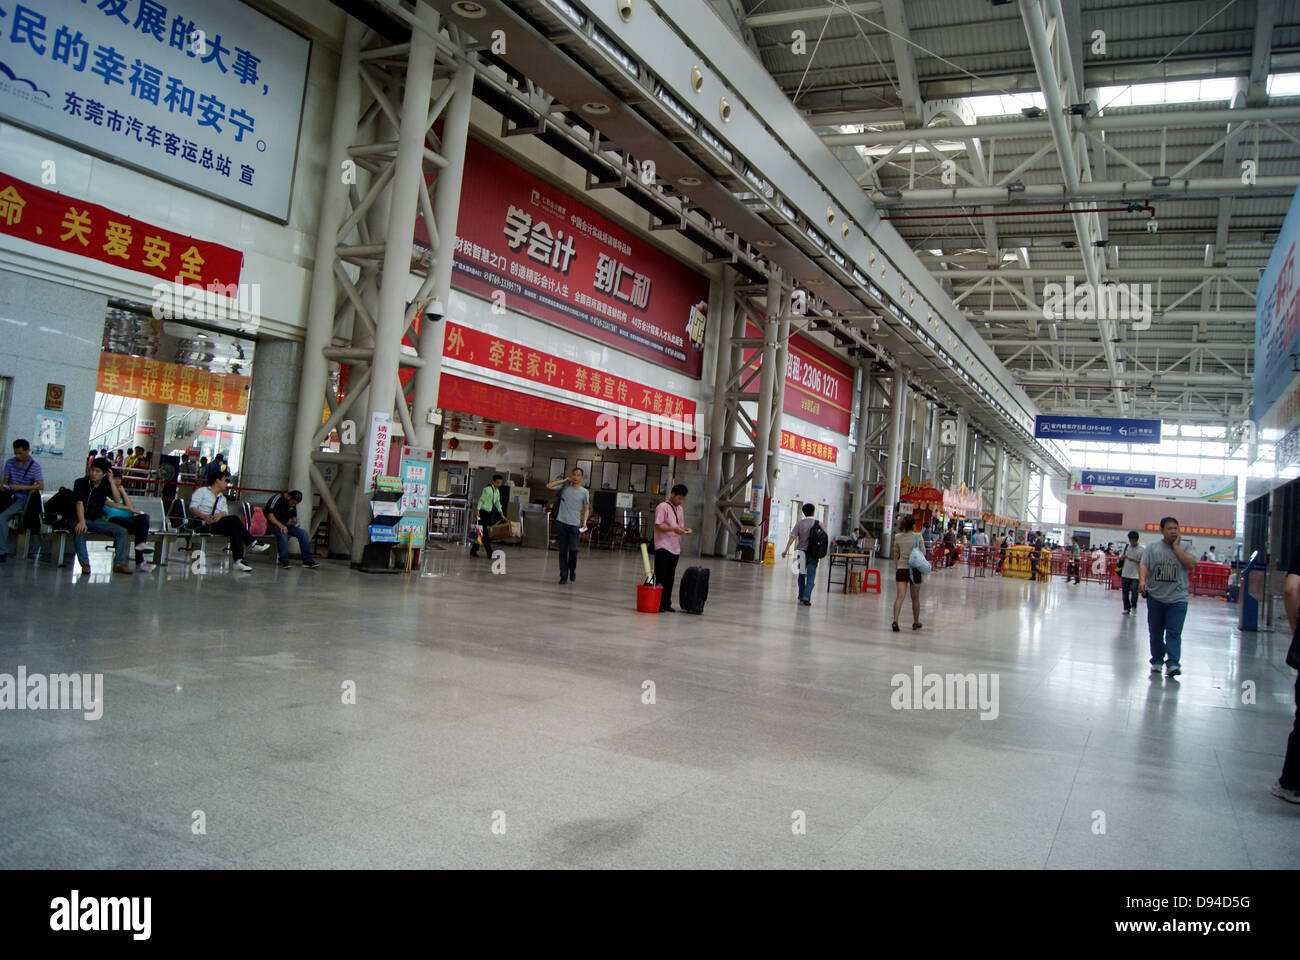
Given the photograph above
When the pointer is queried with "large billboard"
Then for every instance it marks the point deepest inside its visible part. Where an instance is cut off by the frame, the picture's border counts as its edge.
(1177, 486)
(818, 384)
(206, 95)
(1277, 318)
(544, 253)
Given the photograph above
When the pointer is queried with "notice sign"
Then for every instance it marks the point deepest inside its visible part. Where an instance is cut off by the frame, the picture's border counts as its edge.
(1177, 486)
(825, 452)
(558, 260)
(1100, 429)
(88, 230)
(206, 95)
(381, 429)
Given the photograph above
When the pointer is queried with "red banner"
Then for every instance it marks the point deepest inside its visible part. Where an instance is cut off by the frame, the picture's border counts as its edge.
(809, 448)
(1195, 531)
(147, 379)
(499, 403)
(557, 260)
(89, 230)
(505, 356)
(818, 384)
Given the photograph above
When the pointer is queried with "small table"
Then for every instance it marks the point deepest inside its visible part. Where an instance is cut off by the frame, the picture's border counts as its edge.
(849, 560)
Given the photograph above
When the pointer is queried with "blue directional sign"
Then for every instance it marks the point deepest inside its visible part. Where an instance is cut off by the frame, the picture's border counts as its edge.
(1108, 478)
(1102, 429)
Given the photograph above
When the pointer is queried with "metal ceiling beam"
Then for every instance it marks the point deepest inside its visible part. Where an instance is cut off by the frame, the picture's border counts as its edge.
(1121, 273)
(1134, 190)
(783, 18)
(1180, 316)
(1261, 52)
(1022, 129)
(909, 90)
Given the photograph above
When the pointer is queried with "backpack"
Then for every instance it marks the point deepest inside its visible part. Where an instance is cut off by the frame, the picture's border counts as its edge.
(60, 509)
(818, 542)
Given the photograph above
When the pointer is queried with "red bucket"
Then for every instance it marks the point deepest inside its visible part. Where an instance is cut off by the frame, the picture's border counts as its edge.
(647, 598)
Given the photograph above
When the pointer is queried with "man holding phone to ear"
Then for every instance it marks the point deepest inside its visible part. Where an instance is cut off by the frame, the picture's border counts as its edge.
(1163, 580)
(570, 520)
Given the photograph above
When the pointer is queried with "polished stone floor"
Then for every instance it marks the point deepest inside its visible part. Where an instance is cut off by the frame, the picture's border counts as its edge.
(501, 721)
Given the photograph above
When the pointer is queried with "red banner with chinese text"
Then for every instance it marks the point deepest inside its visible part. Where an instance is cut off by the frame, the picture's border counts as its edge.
(556, 259)
(1195, 531)
(808, 447)
(499, 403)
(494, 353)
(818, 384)
(160, 382)
(89, 230)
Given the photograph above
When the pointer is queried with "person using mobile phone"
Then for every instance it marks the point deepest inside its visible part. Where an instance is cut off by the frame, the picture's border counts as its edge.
(1163, 580)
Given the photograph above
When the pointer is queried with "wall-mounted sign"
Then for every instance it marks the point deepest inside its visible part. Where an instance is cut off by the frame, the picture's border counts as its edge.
(818, 384)
(1180, 486)
(1277, 320)
(207, 96)
(817, 449)
(556, 259)
(54, 396)
(1098, 429)
(51, 431)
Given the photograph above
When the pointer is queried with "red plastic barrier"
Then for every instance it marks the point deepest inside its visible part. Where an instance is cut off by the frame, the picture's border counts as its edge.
(1209, 579)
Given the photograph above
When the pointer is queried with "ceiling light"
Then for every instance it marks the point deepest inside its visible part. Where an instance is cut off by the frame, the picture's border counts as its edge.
(765, 243)
(689, 181)
(1032, 113)
(1160, 181)
(595, 108)
(469, 9)
(1017, 187)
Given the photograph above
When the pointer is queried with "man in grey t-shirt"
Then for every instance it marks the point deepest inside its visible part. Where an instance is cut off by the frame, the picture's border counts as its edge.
(570, 519)
(1163, 580)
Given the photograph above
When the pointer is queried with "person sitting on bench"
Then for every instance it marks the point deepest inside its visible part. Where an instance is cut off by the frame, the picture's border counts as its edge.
(91, 494)
(120, 510)
(208, 505)
(282, 520)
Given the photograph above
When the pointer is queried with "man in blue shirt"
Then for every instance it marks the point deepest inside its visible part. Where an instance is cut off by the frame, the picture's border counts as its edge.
(570, 521)
(22, 476)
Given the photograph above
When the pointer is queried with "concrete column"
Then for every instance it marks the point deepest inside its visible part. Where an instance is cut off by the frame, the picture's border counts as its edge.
(272, 412)
(860, 454)
(893, 461)
(404, 202)
(722, 309)
(446, 208)
(999, 480)
(153, 442)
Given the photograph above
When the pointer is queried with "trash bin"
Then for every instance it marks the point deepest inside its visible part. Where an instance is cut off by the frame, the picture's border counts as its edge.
(647, 597)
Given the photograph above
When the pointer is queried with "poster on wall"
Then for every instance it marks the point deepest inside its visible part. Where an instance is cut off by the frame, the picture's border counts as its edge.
(585, 467)
(636, 479)
(212, 104)
(609, 476)
(557, 468)
(51, 427)
(559, 261)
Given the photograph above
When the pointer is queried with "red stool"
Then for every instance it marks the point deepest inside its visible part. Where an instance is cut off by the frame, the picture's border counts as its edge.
(871, 581)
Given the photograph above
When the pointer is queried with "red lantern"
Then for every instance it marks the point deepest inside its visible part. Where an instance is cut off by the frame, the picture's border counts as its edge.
(487, 444)
(453, 443)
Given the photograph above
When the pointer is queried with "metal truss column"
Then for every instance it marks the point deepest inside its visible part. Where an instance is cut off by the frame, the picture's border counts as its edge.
(766, 388)
(778, 388)
(959, 474)
(860, 436)
(722, 308)
(893, 465)
(430, 304)
(998, 503)
(303, 475)
(404, 197)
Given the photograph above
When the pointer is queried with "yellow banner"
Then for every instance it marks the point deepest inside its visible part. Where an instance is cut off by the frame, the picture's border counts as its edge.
(154, 380)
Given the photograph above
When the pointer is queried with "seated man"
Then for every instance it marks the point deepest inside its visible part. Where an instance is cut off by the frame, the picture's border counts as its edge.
(91, 494)
(21, 478)
(282, 520)
(208, 505)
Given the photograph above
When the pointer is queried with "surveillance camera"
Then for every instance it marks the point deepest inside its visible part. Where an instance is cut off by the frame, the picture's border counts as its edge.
(435, 311)
(875, 326)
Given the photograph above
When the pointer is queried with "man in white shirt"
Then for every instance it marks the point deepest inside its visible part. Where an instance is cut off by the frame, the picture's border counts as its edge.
(209, 506)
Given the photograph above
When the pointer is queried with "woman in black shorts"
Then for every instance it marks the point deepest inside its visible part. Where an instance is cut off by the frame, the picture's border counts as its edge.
(904, 542)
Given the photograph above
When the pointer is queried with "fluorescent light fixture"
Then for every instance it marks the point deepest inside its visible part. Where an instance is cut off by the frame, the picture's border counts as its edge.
(943, 146)
(1001, 105)
(1284, 85)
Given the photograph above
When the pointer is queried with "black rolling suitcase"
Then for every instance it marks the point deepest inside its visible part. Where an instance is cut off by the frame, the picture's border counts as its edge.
(695, 590)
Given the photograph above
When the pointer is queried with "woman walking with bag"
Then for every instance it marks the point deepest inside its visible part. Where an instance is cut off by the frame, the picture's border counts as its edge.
(904, 573)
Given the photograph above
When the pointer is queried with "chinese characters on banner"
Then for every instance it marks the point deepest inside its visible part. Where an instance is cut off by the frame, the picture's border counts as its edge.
(376, 465)
(809, 448)
(494, 353)
(818, 384)
(212, 103)
(1185, 486)
(1195, 531)
(561, 262)
(89, 230)
(154, 380)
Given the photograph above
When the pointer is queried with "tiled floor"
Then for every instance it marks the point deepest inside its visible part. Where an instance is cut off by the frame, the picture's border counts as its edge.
(500, 722)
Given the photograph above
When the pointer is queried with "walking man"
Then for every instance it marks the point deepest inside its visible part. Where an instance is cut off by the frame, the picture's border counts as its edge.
(669, 531)
(1130, 561)
(22, 477)
(282, 518)
(570, 520)
(807, 566)
(489, 513)
(1163, 581)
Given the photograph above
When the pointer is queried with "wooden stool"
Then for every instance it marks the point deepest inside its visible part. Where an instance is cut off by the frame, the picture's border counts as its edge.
(853, 584)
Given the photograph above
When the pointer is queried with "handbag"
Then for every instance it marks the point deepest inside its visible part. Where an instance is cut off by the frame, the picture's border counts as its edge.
(6, 499)
(916, 559)
(112, 510)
